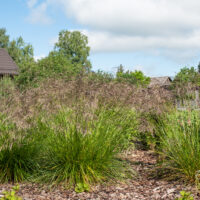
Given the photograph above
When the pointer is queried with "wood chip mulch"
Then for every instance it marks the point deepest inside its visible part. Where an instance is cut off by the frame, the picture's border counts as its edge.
(140, 187)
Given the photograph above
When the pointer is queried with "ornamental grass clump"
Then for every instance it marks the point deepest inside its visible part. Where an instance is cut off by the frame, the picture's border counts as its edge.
(18, 151)
(179, 134)
(83, 149)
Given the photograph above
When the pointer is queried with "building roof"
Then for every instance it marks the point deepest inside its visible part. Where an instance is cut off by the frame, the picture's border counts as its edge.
(160, 81)
(7, 65)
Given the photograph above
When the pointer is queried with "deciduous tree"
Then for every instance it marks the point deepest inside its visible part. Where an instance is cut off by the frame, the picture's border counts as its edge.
(74, 45)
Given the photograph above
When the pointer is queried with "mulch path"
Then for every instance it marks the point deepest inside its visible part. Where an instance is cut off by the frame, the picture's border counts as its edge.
(140, 187)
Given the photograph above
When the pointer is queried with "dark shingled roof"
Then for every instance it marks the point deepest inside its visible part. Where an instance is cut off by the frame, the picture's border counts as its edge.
(7, 65)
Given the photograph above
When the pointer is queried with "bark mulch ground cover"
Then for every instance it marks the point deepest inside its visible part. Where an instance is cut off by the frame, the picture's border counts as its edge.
(141, 187)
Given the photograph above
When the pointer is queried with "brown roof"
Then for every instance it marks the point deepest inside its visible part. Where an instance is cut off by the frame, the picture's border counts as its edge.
(160, 81)
(7, 65)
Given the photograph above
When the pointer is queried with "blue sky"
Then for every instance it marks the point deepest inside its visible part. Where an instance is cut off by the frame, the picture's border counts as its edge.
(156, 36)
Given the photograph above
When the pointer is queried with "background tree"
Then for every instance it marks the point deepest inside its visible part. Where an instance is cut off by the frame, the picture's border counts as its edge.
(187, 76)
(4, 39)
(74, 45)
(199, 67)
(20, 52)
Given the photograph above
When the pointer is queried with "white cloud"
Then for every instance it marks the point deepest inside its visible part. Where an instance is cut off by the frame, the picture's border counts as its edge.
(105, 41)
(31, 3)
(178, 48)
(143, 17)
(38, 14)
(168, 27)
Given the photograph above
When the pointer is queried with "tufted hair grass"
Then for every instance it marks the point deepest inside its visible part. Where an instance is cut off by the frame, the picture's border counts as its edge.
(179, 132)
(82, 149)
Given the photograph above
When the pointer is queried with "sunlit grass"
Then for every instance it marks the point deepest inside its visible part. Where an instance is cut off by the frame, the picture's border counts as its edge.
(180, 142)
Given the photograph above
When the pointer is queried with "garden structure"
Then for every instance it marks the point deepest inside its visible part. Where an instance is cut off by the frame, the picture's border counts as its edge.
(7, 65)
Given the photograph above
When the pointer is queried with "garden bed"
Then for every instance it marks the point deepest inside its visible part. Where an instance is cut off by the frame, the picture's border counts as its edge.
(141, 187)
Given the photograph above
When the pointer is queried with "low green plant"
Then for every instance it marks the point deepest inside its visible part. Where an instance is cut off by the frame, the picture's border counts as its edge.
(82, 187)
(11, 195)
(197, 179)
(185, 196)
(80, 150)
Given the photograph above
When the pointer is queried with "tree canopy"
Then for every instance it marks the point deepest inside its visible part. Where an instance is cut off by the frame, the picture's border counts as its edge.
(4, 39)
(74, 45)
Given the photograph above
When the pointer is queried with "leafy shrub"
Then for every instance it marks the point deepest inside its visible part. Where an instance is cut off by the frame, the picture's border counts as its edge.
(59, 65)
(7, 86)
(29, 75)
(179, 134)
(18, 151)
(55, 65)
(100, 76)
(137, 77)
(80, 150)
(187, 75)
